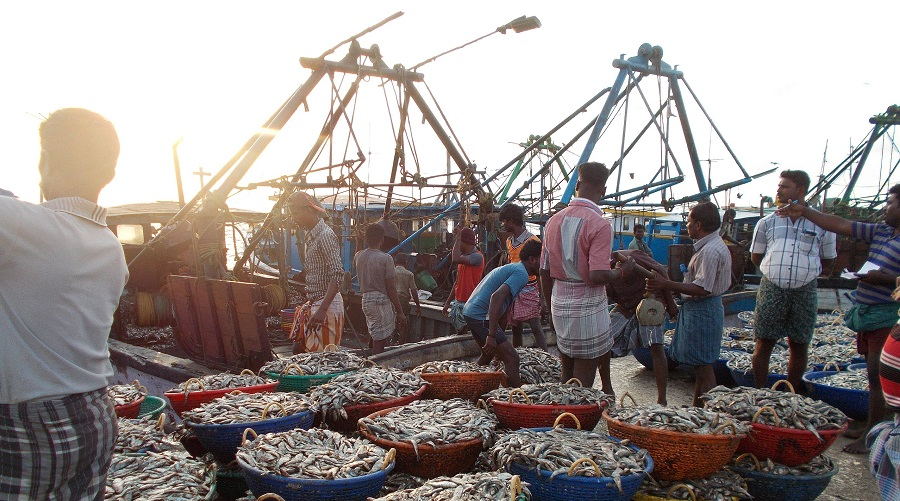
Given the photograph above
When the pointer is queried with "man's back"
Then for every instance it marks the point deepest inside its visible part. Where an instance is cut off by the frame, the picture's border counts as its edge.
(54, 340)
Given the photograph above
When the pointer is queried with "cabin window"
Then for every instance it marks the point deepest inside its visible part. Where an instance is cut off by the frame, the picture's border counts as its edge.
(626, 224)
(130, 233)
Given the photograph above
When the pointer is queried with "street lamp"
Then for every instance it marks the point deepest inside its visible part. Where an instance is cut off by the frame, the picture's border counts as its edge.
(518, 25)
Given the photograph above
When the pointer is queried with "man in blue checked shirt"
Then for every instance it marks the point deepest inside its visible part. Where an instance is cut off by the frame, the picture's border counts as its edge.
(790, 252)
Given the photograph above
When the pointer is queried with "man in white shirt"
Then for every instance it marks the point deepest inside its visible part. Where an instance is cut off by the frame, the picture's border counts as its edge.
(790, 253)
(62, 272)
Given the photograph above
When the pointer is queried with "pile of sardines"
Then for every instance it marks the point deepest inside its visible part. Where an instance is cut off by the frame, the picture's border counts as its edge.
(322, 362)
(124, 394)
(451, 366)
(680, 419)
(493, 486)
(790, 410)
(249, 407)
(819, 465)
(433, 422)
(535, 366)
(552, 394)
(721, 485)
(851, 380)
(312, 454)
(365, 386)
(144, 434)
(165, 475)
(221, 381)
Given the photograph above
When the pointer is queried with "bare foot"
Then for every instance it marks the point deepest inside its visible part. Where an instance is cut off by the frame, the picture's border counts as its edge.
(855, 432)
(857, 446)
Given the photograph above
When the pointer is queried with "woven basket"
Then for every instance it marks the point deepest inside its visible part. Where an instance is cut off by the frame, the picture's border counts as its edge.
(152, 406)
(131, 410)
(356, 412)
(467, 385)
(187, 400)
(788, 446)
(678, 455)
(302, 384)
(303, 489)
(222, 440)
(768, 487)
(430, 461)
(566, 488)
(514, 416)
(853, 403)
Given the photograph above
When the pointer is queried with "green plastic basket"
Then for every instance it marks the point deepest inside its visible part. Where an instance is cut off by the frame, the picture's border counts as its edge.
(302, 384)
(152, 406)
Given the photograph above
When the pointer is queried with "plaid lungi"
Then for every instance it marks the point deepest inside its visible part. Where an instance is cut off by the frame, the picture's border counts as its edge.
(884, 457)
(581, 319)
(57, 449)
(455, 313)
(380, 317)
(329, 332)
(527, 304)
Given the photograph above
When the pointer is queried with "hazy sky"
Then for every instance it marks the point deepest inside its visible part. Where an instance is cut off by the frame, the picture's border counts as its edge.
(778, 79)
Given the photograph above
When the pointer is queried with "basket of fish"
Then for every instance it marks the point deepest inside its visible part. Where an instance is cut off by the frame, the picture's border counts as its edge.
(313, 465)
(826, 357)
(432, 437)
(741, 368)
(483, 486)
(672, 434)
(306, 370)
(163, 475)
(723, 485)
(127, 398)
(846, 390)
(538, 405)
(144, 435)
(770, 481)
(219, 424)
(458, 379)
(788, 428)
(565, 464)
(349, 397)
(197, 391)
(535, 366)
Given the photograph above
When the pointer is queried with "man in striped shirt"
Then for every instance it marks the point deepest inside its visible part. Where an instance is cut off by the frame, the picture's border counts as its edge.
(790, 253)
(876, 311)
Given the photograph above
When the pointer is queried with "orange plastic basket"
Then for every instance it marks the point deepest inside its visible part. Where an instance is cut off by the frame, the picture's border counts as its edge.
(355, 412)
(514, 415)
(678, 455)
(431, 461)
(468, 385)
(788, 446)
(131, 410)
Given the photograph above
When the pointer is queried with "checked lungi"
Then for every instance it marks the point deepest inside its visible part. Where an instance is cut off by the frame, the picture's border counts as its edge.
(698, 332)
(380, 316)
(329, 332)
(581, 318)
(57, 449)
(884, 457)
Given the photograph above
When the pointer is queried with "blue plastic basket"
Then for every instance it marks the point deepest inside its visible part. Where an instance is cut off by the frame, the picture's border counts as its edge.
(853, 403)
(742, 378)
(830, 365)
(642, 355)
(857, 366)
(722, 372)
(304, 489)
(222, 440)
(769, 487)
(566, 488)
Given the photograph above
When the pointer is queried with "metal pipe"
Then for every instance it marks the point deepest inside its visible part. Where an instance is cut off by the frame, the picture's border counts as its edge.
(398, 152)
(688, 135)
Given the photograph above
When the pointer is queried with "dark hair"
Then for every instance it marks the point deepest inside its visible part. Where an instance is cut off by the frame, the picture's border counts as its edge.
(894, 190)
(593, 173)
(639, 226)
(707, 214)
(401, 258)
(798, 177)
(81, 144)
(374, 234)
(514, 213)
(531, 248)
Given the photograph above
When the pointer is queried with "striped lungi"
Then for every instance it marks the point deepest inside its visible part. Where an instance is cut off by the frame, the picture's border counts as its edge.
(883, 442)
(329, 332)
(57, 449)
(527, 304)
(581, 319)
(380, 317)
(698, 333)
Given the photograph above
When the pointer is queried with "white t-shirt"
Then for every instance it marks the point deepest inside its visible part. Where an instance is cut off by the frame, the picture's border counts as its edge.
(62, 272)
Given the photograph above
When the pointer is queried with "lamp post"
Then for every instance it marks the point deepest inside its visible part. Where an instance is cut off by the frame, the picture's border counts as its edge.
(518, 25)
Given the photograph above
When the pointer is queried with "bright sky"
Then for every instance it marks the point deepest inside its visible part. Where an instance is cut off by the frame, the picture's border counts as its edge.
(778, 78)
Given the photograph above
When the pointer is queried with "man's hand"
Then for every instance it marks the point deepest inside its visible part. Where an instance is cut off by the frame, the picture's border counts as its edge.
(877, 277)
(402, 321)
(490, 346)
(419, 311)
(792, 209)
(627, 266)
(673, 313)
(317, 318)
(656, 283)
(444, 311)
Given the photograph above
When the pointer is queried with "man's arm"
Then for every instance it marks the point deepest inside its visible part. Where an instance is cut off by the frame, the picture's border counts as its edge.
(390, 284)
(414, 292)
(828, 222)
(660, 283)
(319, 315)
(498, 298)
(756, 259)
(603, 277)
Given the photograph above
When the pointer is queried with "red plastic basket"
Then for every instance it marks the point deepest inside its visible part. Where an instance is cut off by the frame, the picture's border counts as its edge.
(131, 410)
(468, 385)
(431, 461)
(514, 415)
(788, 446)
(185, 401)
(355, 412)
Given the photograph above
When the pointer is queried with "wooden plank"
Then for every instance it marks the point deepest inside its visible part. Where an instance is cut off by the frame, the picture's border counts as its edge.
(187, 327)
(251, 319)
(205, 308)
(229, 331)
